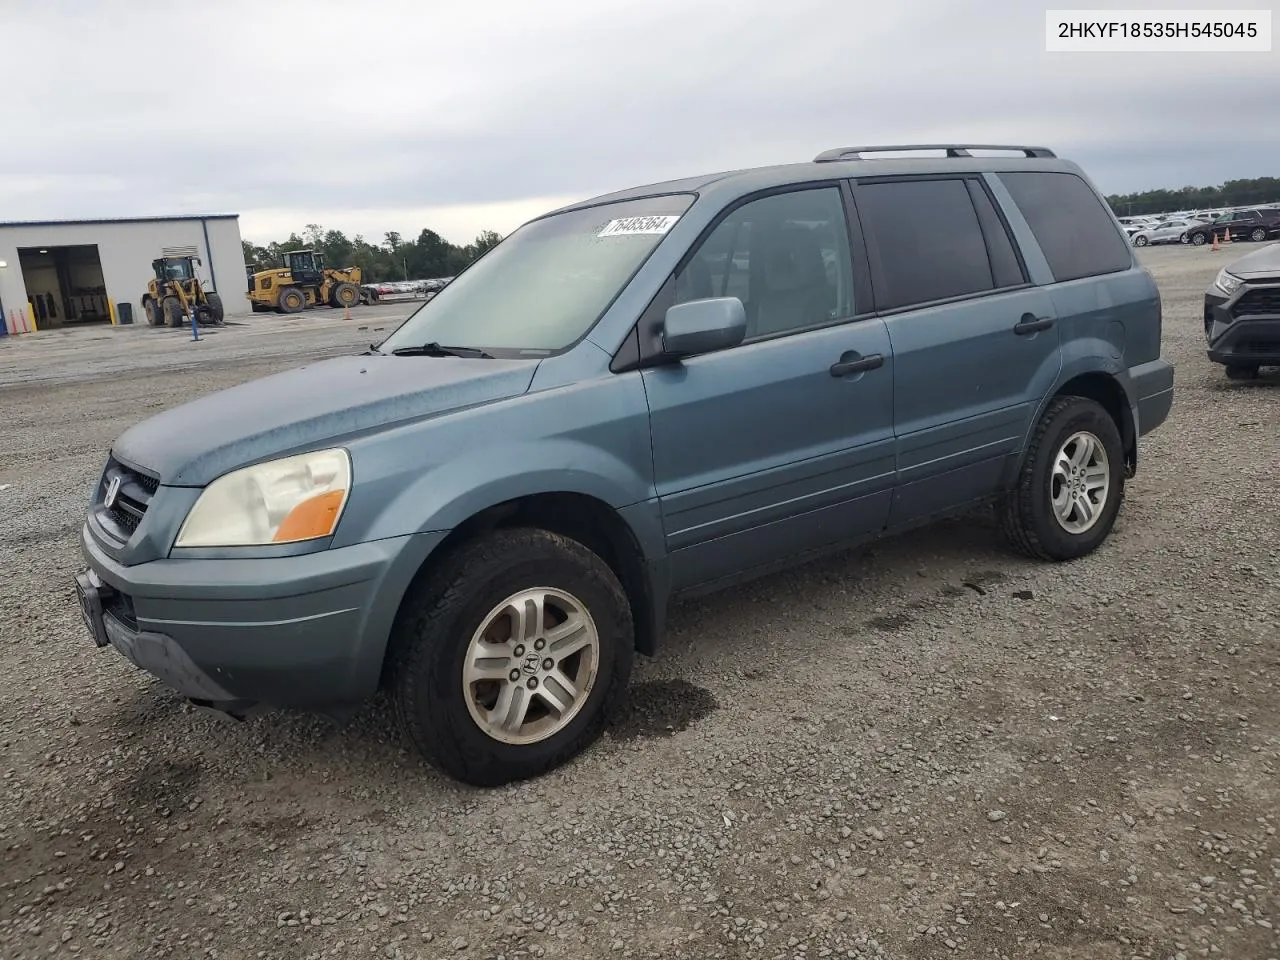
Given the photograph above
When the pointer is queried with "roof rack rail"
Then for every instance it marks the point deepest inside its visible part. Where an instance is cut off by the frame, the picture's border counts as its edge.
(952, 149)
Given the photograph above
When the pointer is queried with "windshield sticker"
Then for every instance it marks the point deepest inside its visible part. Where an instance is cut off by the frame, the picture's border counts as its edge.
(630, 226)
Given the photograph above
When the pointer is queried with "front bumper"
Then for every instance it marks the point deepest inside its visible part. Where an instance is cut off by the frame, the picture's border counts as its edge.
(1238, 333)
(307, 631)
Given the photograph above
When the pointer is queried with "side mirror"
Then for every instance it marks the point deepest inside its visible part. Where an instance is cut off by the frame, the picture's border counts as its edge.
(702, 326)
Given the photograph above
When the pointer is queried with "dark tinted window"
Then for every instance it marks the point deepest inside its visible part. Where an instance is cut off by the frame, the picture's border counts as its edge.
(785, 256)
(925, 237)
(1071, 224)
(1006, 268)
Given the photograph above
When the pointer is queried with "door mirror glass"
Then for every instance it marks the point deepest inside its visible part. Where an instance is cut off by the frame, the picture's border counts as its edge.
(701, 326)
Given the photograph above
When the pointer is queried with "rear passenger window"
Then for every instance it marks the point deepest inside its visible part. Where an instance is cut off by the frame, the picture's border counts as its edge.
(1070, 223)
(925, 241)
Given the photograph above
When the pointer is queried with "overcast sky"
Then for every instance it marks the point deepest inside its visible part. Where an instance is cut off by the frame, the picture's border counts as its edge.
(394, 114)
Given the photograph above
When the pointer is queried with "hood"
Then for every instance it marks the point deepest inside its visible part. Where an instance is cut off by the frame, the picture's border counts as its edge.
(193, 444)
(1258, 265)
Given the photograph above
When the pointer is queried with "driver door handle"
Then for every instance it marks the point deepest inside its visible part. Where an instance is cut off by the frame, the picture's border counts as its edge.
(851, 362)
(1032, 324)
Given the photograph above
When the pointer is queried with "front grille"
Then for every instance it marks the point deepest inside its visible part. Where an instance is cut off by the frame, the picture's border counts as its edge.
(1269, 347)
(1263, 302)
(122, 518)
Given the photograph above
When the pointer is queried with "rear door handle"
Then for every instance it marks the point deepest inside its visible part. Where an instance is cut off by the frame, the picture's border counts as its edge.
(856, 364)
(1032, 324)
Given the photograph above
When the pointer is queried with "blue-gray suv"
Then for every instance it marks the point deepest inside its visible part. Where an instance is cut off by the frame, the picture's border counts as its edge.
(651, 394)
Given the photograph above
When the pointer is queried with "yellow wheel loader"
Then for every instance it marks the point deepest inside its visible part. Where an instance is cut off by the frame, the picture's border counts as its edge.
(303, 281)
(176, 291)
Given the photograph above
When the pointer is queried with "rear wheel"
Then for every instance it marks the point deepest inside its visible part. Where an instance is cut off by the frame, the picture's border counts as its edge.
(346, 295)
(1242, 371)
(1071, 483)
(172, 309)
(1258, 235)
(508, 660)
(292, 300)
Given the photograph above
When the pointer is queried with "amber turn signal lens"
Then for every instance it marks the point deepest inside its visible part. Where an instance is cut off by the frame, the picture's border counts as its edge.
(311, 518)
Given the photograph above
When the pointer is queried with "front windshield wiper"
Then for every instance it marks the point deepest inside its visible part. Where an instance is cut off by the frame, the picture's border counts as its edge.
(436, 350)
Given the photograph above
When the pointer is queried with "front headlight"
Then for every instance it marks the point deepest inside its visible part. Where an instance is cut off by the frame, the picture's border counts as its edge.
(281, 501)
(1228, 283)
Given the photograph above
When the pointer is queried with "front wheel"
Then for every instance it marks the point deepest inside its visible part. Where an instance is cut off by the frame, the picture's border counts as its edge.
(1242, 371)
(509, 659)
(1140, 241)
(216, 309)
(345, 295)
(1071, 483)
(1198, 239)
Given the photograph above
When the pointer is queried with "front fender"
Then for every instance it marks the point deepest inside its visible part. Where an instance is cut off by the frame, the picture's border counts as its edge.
(589, 438)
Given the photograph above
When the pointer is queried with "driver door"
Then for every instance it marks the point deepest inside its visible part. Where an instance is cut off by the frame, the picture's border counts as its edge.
(785, 442)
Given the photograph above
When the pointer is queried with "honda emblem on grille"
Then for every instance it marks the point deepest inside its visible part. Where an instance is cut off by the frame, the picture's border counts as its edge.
(113, 491)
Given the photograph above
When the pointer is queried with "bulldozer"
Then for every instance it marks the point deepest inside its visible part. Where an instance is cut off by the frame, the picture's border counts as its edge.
(176, 291)
(303, 281)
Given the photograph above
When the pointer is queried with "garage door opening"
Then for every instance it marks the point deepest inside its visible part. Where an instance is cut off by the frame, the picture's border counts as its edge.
(65, 285)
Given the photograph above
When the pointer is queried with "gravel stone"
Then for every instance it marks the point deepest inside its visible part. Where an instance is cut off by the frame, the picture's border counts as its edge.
(718, 819)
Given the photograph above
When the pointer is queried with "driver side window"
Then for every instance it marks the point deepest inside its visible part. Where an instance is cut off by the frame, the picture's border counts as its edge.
(785, 256)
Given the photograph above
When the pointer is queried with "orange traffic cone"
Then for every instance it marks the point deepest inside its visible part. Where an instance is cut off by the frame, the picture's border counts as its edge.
(1216, 245)
(1226, 235)
(346, 313)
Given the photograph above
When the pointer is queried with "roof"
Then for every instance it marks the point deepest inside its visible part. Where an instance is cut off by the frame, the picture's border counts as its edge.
(76, 223)
(831, 164)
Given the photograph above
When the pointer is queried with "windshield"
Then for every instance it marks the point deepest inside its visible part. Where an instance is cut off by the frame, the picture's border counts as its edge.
(542, 288)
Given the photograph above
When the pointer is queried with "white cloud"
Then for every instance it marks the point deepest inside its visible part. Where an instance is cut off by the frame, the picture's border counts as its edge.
(395, 115)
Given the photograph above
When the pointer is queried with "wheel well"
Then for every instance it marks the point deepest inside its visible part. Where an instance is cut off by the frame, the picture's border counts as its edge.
(1106, 390)
(591, 522)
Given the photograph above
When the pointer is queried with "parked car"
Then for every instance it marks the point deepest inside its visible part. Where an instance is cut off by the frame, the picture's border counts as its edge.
(1252, 223)
(1242, 314)
(1169, 231)
(648, 395)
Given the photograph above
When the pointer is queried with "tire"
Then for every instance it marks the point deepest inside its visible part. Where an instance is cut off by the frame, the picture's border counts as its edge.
(1183, 239)
(438, 623)
(345, 295)
(1241, 371)
(1198, 239)
(1027, 513)
(171, 309)
(1140, 241)
(1258, 235)
(292, 300)
(153, 312)
(258, 307)
(216, 309)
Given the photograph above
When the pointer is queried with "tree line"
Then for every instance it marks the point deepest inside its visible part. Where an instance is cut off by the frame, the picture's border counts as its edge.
(428, 257)
(431, 255)
(1233, 193)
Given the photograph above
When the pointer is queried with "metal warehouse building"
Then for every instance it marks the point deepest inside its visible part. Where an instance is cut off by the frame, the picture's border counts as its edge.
(69, 273)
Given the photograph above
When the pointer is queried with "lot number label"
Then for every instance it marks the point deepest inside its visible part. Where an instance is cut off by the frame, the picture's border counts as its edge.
(629, 226)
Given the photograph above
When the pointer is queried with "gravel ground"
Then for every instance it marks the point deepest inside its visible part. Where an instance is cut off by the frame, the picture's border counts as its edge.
(929, 749)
